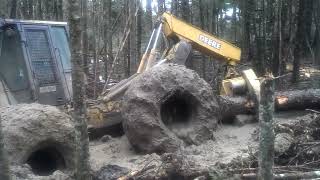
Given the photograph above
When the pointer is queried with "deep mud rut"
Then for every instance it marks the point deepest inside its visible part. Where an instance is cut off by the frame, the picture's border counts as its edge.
(230, 142)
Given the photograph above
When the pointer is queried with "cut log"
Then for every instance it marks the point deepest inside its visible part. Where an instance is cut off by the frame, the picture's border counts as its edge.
(297, 99)
(232, 106)
(284, 100)
(294, 175)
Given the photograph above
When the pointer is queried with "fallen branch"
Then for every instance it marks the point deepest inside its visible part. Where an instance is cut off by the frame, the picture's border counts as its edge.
(304, 150)
(314, 111)
(277, 169)
(295, 175)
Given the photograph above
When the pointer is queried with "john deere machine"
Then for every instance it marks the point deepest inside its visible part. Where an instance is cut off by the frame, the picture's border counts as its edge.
(179, 39)
(34, 62)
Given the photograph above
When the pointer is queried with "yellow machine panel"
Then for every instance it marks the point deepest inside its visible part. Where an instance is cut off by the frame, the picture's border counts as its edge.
(200, 40)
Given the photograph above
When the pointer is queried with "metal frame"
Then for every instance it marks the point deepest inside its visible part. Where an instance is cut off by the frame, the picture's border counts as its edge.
(34, 22)
(60, 71)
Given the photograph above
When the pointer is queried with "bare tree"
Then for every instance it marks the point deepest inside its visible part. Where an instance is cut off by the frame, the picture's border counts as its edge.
(79, 113)
(60, 9)
(48, 9)
(148, 18)
(139, 31)
(13, 12)
(301, 38)
(161, 5)
(2, 8)
(85, 45)
(108, 35)
(39, 10)
(202, 22)
(185, 10)
(247, 12)
(174, 6)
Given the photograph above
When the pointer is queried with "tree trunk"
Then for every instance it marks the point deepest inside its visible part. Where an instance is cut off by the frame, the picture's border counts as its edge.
(161, 6)
(185, 10)
(301, 38)
(85, 43)
(127, 42)
(201, 15)
(94, 50)
(23, 10)
(107, 6)
(30, 9)
(109, 35)
(78, 86)
(174, 7)
(13, 12)
(308, 25)
(247, 23)
(266, 144)
(316, 46)
(3, 7)
(132, 50)
(148, 18)
(139, 32)
(55, 11)
(212, 17)
(275, 37)
(48, 8)
(316, 42)
(234, 21)
(4, 164)
(60, 10)
(39, 10)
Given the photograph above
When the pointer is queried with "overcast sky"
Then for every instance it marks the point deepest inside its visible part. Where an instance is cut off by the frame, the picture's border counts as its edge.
(154, 6)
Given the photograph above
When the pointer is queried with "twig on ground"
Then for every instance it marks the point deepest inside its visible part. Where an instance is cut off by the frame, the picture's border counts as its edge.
(314, 111)
(307, 148)
(295, 175)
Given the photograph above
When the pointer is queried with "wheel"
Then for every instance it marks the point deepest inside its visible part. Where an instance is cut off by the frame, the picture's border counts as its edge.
(39, 135)
(166, 107)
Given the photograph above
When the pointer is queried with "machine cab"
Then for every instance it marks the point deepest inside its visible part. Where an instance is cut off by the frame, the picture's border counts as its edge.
(34, 62)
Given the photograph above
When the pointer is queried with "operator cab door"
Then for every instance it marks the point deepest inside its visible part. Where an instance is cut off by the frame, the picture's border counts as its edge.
(45, 73)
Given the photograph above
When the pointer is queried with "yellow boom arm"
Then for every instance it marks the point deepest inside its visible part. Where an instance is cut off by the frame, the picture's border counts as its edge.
(199, 39)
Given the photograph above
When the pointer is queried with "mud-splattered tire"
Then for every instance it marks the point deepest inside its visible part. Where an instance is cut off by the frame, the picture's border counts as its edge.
(39, 135)
(166, 107)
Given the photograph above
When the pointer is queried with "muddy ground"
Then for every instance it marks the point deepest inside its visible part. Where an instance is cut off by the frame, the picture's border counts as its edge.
(232, 141)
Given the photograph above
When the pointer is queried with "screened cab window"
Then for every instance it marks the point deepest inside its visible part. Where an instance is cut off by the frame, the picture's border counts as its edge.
(60, 40)
(13, 69)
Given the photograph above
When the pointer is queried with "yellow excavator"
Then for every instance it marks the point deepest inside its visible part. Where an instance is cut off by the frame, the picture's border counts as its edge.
(185, 38)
